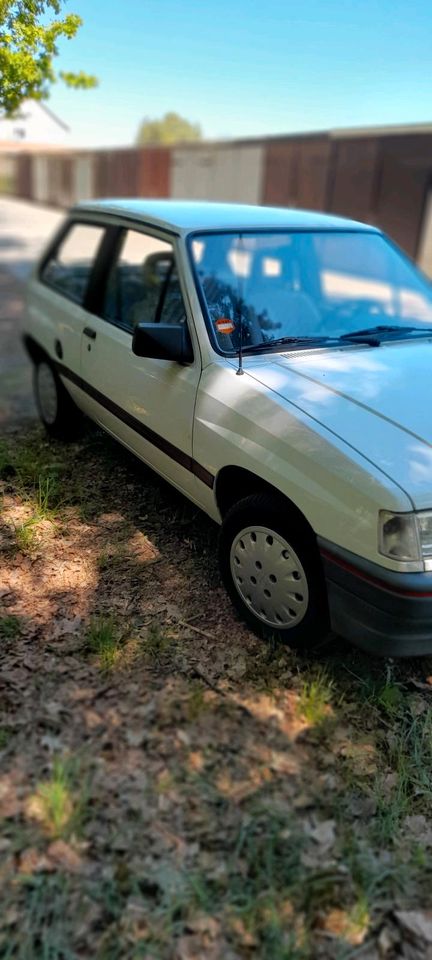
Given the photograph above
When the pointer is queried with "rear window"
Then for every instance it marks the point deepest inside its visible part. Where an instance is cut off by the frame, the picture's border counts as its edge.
(69, 266)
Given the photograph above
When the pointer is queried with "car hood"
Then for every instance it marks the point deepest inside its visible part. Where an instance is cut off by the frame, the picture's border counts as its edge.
(378, 400)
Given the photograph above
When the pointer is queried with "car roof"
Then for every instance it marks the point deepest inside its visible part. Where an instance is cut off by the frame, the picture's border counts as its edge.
(186, 216)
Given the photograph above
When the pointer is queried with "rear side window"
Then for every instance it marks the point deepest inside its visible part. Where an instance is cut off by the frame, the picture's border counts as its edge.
(69, 267)
(138, 281)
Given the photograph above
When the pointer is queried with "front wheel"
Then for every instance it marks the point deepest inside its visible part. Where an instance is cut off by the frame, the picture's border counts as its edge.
(59, 415)
(271, 568)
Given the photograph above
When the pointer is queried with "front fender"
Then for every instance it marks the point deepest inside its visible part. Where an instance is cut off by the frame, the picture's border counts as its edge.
(241, 422)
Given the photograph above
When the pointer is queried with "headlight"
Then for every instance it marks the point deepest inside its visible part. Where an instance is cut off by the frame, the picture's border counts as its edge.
(424, 523)
(398, 537)
(405, 536)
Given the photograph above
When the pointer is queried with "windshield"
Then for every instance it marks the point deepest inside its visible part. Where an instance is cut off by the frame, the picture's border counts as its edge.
(305, 285)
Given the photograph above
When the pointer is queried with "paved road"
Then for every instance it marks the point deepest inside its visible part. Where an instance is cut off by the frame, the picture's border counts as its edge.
(24, 230)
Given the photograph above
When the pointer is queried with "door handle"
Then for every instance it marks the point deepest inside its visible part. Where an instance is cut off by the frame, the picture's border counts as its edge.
(88, 332)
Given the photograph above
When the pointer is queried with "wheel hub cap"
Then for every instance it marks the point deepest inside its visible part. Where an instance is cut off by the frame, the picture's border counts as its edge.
(269, 577)
(47, 393)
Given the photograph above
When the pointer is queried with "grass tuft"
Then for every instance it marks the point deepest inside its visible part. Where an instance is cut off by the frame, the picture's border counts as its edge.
(59, 803)
(156, 642)
(26, 535)
(10, 627)
(261, 893)
(409, 757)
(389, 698)
(113, 559)
(315, 698)
(103, 639)
(48, 496)
(197, 702)
(5, 736)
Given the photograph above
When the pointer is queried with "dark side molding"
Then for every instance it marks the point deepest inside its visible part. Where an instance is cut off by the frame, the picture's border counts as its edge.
(133, 423)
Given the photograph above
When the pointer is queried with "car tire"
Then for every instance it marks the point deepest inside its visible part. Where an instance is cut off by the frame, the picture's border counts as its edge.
(271, 568)
(57, 411)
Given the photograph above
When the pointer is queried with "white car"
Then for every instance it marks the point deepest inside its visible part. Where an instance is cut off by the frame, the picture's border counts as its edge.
(276, 367)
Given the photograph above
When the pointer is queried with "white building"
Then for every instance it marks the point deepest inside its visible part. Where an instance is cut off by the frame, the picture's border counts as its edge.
(34, 123)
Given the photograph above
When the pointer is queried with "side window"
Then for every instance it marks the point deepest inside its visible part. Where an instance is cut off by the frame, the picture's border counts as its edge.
(137, 280)
(69, 266)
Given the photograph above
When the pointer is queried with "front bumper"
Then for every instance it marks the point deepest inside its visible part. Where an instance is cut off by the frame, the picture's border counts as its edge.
(387, 613)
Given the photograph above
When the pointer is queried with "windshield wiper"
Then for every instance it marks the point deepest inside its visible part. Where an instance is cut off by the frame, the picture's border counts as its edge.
(375, 334)
(268, 344)
(372, 336)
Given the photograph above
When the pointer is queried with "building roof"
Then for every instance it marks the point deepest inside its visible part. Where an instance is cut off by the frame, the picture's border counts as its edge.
(53, 116)
(184, 216)
(26, 146)
(389, 130)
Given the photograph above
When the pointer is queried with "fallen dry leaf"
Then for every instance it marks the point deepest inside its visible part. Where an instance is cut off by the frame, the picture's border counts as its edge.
(32, 861)
(416, 924)
(136, 738)
(64, 857)
(205, 923)
(339, 923)
(419, 828)
(323, 834)
(363, 754)
(387, 939)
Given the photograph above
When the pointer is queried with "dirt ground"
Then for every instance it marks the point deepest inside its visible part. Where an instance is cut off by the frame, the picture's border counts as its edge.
(169, 786)
(16, 403)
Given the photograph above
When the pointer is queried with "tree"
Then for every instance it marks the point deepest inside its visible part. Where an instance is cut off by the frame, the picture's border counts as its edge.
(172, 128)
(28, 46)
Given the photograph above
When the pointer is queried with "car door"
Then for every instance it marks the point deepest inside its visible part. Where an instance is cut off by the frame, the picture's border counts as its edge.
(57, 303)
(148, 404)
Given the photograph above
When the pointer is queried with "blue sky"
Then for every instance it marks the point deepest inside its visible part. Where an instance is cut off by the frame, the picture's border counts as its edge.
(247, 67)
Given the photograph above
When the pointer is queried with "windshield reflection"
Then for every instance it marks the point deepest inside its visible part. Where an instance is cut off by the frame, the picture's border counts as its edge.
(323, 284)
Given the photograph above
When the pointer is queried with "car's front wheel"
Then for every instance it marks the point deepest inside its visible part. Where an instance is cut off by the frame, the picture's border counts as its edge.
(56, 409)
(271, 568)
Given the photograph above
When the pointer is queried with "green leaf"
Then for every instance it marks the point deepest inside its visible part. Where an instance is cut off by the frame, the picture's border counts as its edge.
(28, 48)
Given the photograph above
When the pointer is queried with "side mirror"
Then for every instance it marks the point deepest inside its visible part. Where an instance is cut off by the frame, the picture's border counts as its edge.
(163, 341)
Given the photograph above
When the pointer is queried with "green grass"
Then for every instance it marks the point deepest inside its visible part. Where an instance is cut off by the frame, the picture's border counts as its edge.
(256, 897)
(409, 757)
(156, 642)
(44, 936)
(264, 882)
(315, 698)
(36, 478)
(26, 535)
(103, 639)
(111, 560)
(48, 495)
(10, 627)
(251, 875)
(34, 470)
(387, 696)
(196, 703)
(60, 802)
(5, 736)
(5, 462)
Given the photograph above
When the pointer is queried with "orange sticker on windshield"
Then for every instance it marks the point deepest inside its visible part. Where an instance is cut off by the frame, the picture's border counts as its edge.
(224, 325)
